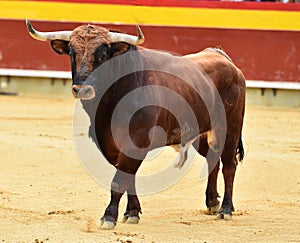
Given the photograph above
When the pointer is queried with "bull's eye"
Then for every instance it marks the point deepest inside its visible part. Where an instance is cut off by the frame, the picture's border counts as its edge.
(102, 57)
(101, 53)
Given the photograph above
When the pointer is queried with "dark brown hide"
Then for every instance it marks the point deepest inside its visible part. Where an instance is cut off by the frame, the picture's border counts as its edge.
(230, 84)
(89, 48)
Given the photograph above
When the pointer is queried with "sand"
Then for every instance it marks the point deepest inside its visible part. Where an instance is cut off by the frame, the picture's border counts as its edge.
(47, 196)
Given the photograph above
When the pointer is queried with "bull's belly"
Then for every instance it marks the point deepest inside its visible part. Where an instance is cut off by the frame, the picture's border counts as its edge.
(183, 135)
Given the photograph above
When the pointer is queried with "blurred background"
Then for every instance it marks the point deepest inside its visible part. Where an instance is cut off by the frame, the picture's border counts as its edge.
(262, 38)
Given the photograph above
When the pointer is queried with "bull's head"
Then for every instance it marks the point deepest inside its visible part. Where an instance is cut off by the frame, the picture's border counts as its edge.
(88, 47)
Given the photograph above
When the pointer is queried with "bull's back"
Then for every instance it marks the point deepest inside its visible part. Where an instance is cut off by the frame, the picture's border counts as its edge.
(211, 60)
(220, 68)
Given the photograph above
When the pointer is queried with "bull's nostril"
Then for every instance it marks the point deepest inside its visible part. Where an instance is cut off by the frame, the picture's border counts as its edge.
(83, 91)
(75, 90)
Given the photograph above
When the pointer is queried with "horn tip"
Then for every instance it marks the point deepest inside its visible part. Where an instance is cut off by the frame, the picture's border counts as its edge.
(27, 21)
(29, 26)
(141, 37)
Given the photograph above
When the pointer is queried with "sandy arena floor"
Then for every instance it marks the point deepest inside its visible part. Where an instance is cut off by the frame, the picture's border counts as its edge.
(47, 196)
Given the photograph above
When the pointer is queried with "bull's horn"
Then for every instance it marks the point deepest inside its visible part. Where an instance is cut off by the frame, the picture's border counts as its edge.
(47, 36)
(130, 39)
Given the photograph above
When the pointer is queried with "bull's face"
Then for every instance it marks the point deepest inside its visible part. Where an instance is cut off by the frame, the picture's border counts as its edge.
(88, 47)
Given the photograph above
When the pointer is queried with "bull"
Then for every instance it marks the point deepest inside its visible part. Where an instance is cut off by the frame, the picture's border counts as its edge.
(91, 47)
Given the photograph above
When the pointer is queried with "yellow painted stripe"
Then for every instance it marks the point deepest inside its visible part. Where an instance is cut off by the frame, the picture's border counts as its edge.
(165, 16)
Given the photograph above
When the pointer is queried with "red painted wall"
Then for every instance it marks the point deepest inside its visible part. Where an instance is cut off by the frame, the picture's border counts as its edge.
(262, 55)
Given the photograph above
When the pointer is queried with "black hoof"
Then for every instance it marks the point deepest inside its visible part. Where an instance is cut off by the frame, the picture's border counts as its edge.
(225, 214)
(214, 209)
(128, 219)
(107, 224)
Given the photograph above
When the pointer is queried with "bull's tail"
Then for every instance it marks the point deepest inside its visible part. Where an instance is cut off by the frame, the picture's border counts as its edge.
(240, 150)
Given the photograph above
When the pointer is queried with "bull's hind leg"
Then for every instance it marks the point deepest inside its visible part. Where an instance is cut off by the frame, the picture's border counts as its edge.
(131, 215)
(228, 157)
(229, 167)
(213, 162)
(212, 202)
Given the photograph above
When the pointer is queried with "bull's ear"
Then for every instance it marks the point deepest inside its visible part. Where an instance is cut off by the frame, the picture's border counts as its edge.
(119, 48)
(60, 46)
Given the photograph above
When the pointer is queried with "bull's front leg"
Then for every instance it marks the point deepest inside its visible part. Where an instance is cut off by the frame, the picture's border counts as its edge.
(118, 186)
(124, 180)
(131, 215)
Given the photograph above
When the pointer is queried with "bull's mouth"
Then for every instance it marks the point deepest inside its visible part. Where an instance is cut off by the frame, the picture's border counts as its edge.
(85, 92)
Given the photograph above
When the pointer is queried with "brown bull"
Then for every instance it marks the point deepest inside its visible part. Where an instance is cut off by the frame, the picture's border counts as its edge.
(92, 48)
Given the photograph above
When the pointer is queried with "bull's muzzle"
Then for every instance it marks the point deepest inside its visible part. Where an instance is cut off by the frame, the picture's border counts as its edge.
(85, 92)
